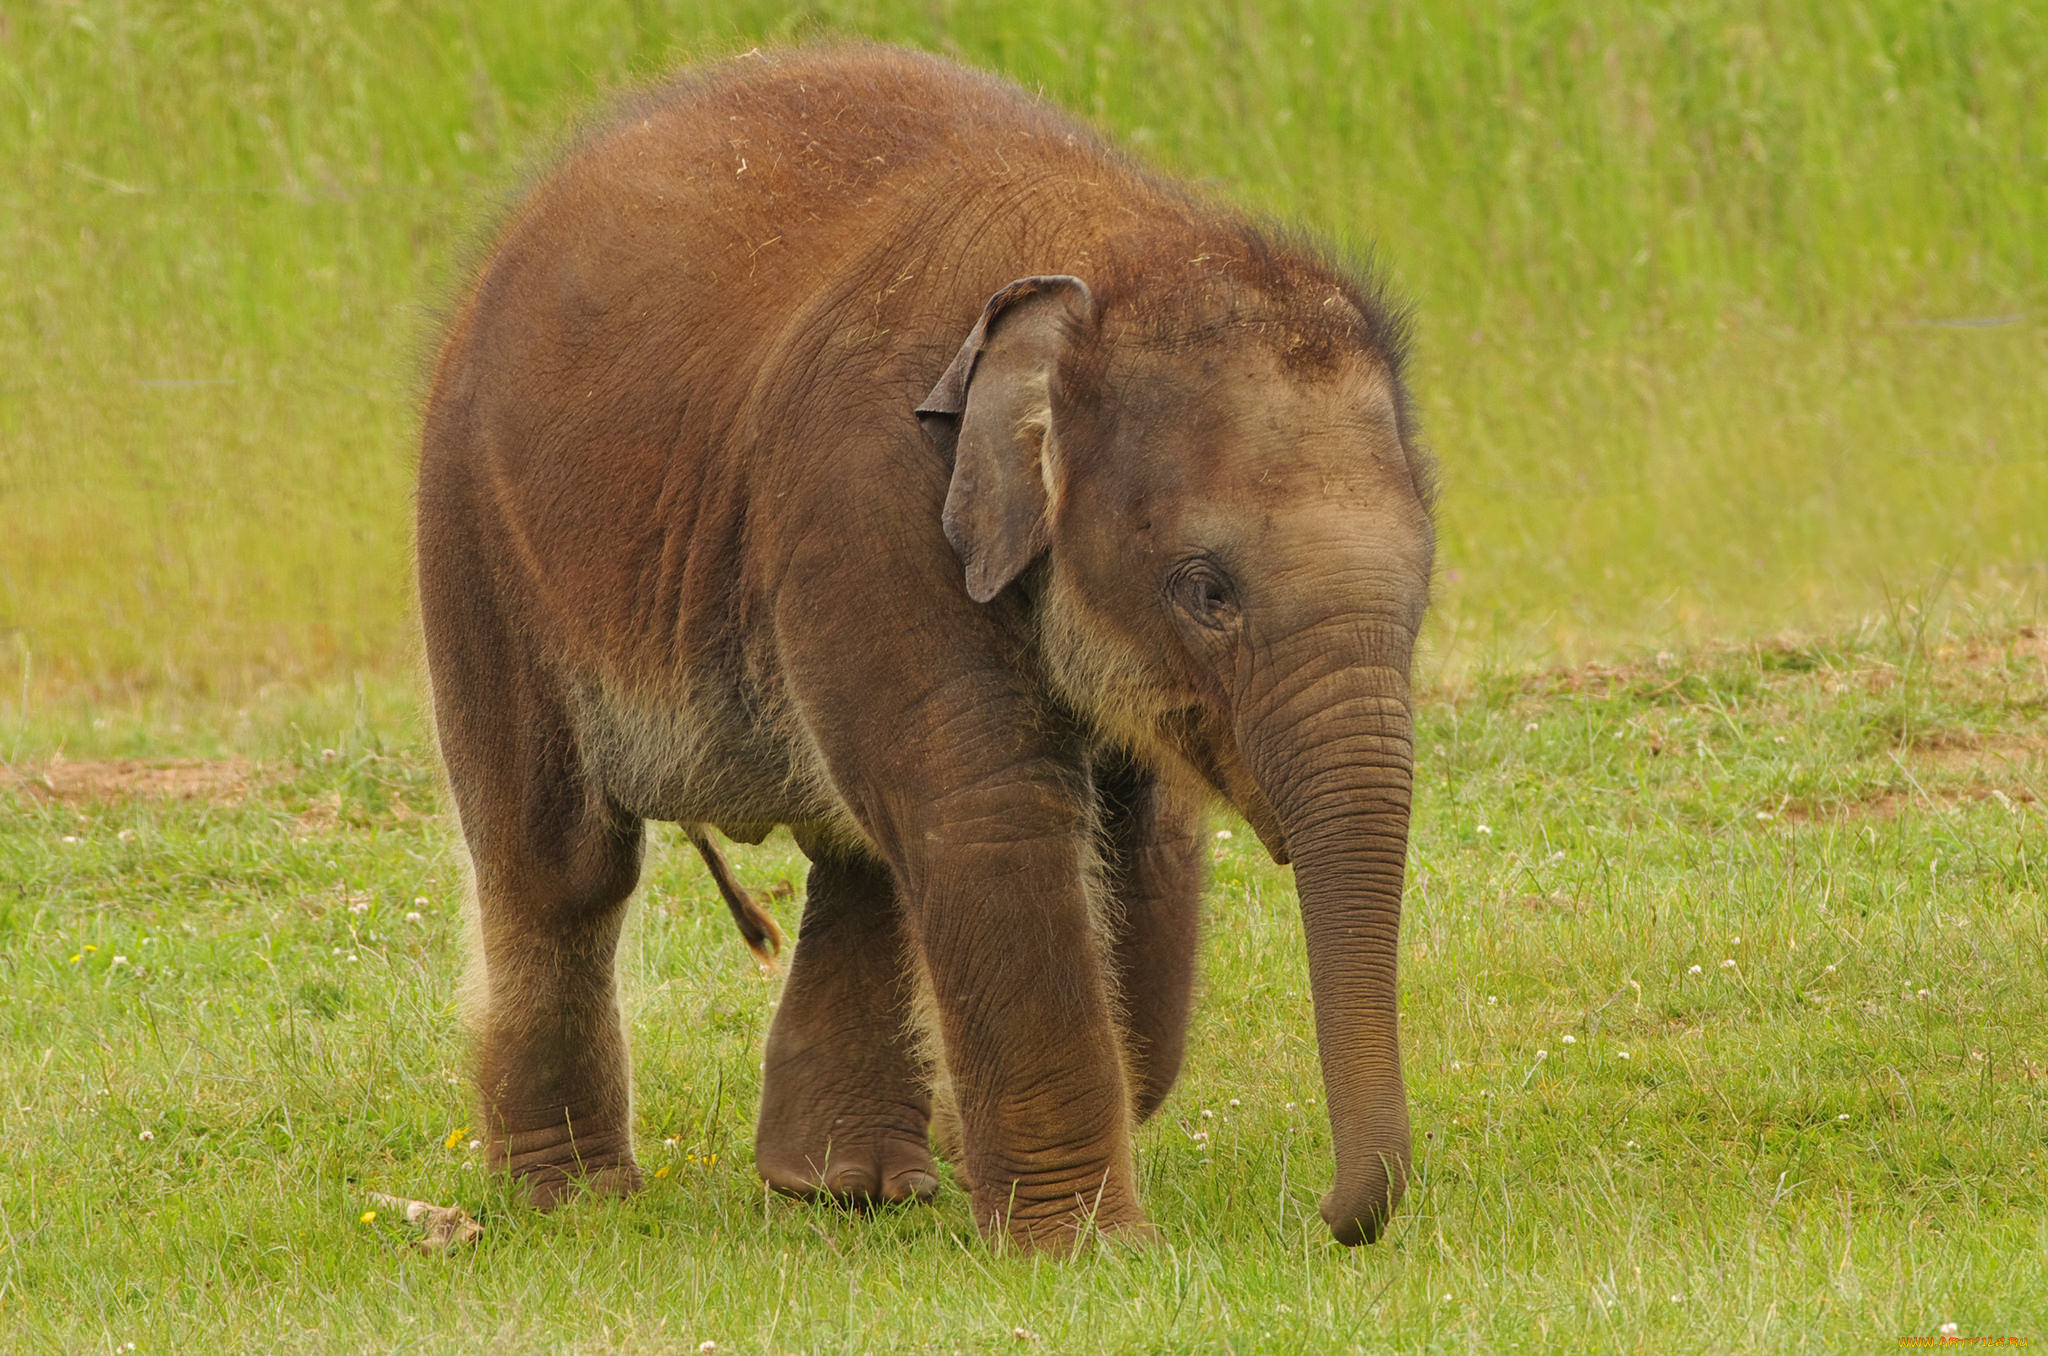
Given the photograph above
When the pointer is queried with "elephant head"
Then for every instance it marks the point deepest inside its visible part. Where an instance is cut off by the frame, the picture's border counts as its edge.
(1208, 489)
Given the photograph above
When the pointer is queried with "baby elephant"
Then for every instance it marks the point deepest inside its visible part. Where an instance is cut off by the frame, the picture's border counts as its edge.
(845, 440)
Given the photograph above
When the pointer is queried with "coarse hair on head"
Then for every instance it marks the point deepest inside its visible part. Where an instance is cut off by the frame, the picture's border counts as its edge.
(1202, 279)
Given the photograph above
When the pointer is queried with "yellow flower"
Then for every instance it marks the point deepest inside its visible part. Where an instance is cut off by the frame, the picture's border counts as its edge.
(90, 948)
(369, 1217)
(661, 1171)
(76, 959)
(455, 1137)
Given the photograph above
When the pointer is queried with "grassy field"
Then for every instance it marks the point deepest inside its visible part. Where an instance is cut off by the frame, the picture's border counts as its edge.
(1723, 1009)
(1724, 957)
(1730, 313)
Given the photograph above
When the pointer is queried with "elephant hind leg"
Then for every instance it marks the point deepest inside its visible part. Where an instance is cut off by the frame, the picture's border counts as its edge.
(554, 861)
(844, 1106)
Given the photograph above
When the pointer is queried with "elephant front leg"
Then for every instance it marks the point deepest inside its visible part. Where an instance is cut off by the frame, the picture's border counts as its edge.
(1025, 1020)
(844, 1108)
(1154, 869)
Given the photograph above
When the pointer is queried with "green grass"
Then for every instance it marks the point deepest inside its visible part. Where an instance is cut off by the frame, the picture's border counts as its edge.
(1679, 273)
(1697, 290)
(1723, 1016)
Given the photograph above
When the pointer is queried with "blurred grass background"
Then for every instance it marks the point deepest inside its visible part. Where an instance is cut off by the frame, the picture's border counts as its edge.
(1730, 314)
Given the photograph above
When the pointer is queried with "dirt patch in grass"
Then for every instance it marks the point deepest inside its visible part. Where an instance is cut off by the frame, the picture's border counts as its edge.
(213, 781)
(1968, 752)
(1792, 658)
(2026, 646)
(1890, 803)
(1556, 902)
(321, 815)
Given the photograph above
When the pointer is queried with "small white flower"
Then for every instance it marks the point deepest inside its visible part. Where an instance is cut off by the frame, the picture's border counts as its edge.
(1763, 814)
(1235, 1102)
(1678, 1299)
(1493, 1000)
(707, 1348)
(1735, 941)
(1225, 834)
(1631, 1145)
(475, 1144)
(1622, 1053)
(1557, 856)
(1207, 1114)
(1728, 964)
(1290, 1106)
(1829, 970)
(70, 838)
(1948, 1330)
(1570, 1039)
(120, 960)
(1843, 1117)
(468, 1165)
(1445, 1300)
(1455, 1066)
(1921, 994)
(1543, 1054)
(328, 755)
(414, 918)
(1694, 970)
(352, 957)
(1529, 728)
(1485, 830)
(146, 1136)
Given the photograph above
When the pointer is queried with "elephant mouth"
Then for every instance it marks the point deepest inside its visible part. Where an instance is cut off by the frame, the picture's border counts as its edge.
(1215, 759)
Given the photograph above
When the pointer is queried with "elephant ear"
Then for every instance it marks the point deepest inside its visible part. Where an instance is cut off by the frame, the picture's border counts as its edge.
(992, 411)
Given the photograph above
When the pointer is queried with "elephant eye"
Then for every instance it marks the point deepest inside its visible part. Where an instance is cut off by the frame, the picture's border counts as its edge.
(1201, 589)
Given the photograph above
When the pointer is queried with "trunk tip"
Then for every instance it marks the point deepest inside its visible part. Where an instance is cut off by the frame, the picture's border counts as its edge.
(1360, 1216)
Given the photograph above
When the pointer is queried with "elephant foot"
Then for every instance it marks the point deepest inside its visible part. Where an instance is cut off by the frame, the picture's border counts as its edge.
(546, 1188)
(554, 1165)
(1062, 1232)
(859, 1157)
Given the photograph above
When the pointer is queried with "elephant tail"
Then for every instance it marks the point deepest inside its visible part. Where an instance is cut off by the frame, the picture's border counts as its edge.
(763, 938)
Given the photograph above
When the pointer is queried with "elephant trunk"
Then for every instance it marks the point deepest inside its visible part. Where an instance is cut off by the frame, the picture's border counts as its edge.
(1330, 743)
